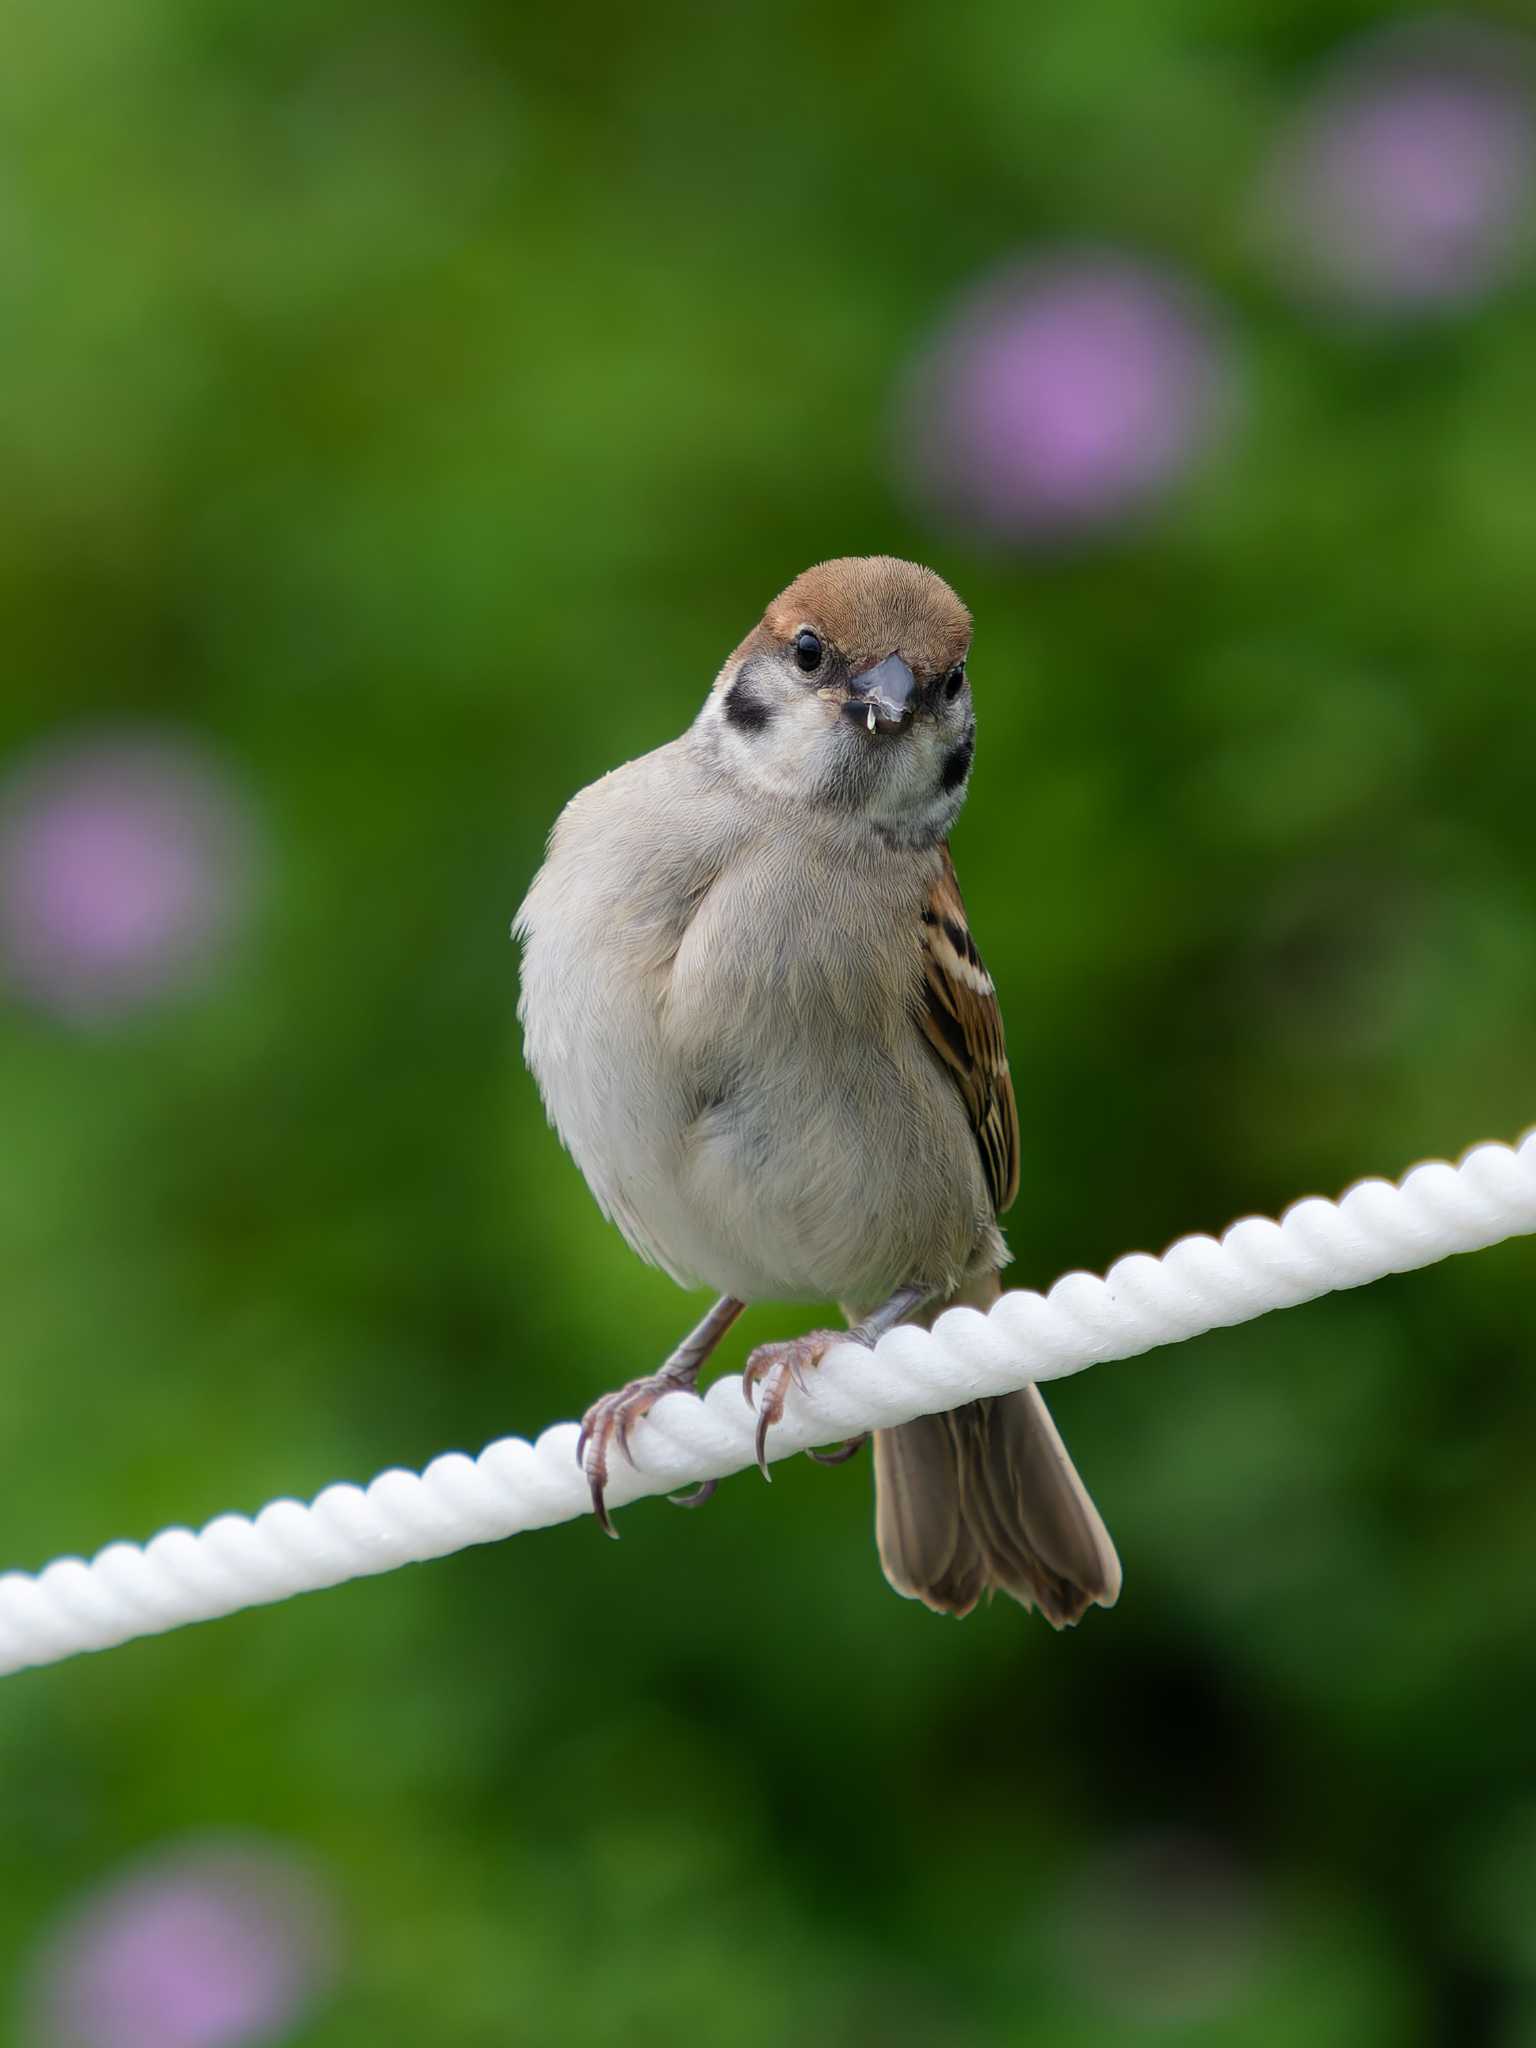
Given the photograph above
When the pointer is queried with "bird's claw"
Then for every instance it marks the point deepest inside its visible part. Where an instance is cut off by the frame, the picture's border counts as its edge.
(842, 1453)
(776, 1368)
(609, 1421)
(705, 1490)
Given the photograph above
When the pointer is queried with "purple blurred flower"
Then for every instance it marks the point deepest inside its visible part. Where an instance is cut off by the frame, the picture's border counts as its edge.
(1406, 185)
(123, 870)
(208, 1946)
(1062, 394)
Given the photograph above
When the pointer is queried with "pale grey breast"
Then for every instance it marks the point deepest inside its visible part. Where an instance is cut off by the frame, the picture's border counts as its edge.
(717, 1005)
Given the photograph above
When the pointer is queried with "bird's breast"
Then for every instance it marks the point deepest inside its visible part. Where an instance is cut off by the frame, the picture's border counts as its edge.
(721, 1022)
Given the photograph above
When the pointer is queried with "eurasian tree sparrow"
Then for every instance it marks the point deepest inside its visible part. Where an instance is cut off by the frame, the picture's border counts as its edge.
(758, 1020)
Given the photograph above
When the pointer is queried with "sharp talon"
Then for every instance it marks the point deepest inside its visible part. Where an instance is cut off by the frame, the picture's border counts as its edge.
(705, 1490)
(600, 1510)
(770, 1373)
(610, 1421)
(843, 1453)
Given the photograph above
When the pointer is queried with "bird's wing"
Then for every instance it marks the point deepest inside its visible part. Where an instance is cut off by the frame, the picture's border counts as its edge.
(962, 1022)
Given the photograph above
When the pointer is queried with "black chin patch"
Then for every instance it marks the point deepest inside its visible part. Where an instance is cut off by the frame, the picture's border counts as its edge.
(957, 764)
(744, 710)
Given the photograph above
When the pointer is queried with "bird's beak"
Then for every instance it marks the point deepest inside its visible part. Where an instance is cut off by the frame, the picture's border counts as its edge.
(882, 697)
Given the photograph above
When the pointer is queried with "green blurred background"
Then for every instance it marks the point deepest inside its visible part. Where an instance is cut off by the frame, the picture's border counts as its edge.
(403, 410)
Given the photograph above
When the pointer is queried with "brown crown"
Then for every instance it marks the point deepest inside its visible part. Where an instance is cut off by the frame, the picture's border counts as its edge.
(869, 606)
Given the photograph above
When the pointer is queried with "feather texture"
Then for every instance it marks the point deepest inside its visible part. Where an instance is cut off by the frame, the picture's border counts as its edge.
(760, 1022)
(962, 1022)
(986, 1496)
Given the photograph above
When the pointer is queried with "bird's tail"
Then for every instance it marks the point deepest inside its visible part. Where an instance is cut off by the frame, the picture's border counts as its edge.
(987, 1496)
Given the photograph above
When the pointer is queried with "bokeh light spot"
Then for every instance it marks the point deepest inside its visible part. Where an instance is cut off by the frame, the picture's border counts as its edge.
(212, 1944)
(125, 869)
(1062, 395)
(1405, 185)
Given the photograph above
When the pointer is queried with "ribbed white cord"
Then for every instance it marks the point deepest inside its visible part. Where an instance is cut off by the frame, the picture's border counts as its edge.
(349, 1532)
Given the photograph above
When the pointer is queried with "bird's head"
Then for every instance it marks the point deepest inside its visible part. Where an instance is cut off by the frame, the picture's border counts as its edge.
(853, 693)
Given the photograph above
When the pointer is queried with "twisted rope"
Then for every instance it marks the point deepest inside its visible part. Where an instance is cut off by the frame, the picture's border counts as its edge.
(350, 1532)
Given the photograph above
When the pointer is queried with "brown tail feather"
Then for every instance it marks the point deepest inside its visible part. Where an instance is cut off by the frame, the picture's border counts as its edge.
(987, 1496)
(927, 1548)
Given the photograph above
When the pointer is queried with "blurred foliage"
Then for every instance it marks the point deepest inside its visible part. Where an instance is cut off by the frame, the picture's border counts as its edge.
(414, 405)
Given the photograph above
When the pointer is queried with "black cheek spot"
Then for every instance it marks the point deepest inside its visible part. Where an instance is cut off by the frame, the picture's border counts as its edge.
(746, 712)
(957, 764)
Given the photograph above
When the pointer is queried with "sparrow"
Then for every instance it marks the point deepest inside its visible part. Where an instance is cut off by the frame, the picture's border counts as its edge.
(760, 1024)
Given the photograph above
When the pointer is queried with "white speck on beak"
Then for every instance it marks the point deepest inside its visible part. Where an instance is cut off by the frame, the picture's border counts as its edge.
(871, 717)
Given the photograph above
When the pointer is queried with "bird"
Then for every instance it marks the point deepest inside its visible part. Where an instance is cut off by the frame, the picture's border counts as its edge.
(758, 1020)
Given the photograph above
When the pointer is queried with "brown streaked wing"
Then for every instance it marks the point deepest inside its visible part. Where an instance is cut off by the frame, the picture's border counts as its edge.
(962, 1022)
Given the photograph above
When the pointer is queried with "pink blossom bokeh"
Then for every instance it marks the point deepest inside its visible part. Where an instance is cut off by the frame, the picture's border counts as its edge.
(212, 1944)
(1062, 395)
(1405, 184)
(125, 871)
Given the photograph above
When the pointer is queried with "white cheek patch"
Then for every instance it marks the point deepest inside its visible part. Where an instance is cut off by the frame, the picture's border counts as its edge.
(787, 756)
(806, 748)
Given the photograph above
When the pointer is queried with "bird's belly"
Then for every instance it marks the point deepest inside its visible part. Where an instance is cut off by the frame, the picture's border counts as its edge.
(762, 1118)
(826, 1188)
(810, 1182)
(826, 1156)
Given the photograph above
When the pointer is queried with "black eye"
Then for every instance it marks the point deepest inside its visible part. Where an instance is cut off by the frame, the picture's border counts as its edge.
(807, 651)
(954, 682)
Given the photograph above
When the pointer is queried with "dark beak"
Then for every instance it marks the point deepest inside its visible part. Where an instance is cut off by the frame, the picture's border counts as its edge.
(886, 694)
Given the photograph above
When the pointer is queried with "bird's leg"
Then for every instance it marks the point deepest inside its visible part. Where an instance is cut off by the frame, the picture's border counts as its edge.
(616, 1414)
(777, 1367)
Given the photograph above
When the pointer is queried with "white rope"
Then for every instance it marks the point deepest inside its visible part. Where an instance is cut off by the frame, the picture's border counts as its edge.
(349, 1532)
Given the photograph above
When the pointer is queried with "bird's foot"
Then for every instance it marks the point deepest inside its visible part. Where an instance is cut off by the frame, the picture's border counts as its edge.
(610, 1420)
(775, 1368)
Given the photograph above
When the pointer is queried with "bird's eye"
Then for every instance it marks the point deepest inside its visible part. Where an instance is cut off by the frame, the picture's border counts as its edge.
(954, 682)
(807, 651)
